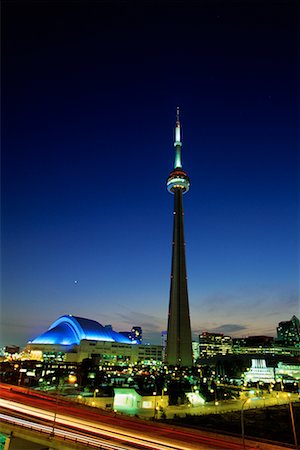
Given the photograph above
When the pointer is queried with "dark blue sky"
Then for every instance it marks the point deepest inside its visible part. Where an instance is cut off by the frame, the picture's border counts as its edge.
(90, 93)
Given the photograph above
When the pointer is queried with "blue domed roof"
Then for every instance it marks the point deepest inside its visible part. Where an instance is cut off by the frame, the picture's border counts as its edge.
(68, 330)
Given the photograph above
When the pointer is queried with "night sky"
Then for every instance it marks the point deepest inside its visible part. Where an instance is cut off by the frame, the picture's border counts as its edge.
(90, 91)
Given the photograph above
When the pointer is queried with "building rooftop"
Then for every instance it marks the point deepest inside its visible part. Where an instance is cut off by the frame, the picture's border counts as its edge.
(70, 330)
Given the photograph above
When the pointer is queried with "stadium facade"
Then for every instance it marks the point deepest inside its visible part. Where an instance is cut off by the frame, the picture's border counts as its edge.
(72, 339)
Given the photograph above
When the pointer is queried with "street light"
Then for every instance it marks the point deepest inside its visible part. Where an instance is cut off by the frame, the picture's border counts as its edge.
(248, 400)
(293, 420)
(163, 391)
(76, 380)
(56, 408)
(95, 393)
(72, 379)
(154, 393)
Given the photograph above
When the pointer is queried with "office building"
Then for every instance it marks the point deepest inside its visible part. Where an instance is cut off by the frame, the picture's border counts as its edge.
(288, 332)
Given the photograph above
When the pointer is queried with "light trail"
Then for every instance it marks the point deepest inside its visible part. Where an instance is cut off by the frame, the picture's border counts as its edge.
(129, 433)
(89, 427)
(62, 433)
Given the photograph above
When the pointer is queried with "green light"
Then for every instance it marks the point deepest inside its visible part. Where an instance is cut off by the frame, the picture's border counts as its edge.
(195, 398)
(126, 400)
(178, 157)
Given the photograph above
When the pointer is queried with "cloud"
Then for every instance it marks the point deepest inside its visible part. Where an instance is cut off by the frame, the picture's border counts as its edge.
(152, 338)
(148, 322)
(229, 328)
(291, 300)
(152, 326)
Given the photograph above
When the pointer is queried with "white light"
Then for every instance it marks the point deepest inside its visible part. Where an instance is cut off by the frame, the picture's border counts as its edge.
(177, 135)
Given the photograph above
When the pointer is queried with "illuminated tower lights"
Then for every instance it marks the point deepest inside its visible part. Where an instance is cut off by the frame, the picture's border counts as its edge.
(179, 340)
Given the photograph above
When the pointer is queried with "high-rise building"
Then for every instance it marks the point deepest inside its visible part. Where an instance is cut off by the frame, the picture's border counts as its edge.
(288, 332)
(212, 344)
(179, 338)
(135, 335)
(195, 348)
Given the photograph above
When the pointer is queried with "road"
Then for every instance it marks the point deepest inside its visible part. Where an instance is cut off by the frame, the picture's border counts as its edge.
(97, 424)
(31, 425)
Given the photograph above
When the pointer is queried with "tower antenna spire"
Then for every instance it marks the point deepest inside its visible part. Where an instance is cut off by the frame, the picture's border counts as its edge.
(177, 143)
(179, 337)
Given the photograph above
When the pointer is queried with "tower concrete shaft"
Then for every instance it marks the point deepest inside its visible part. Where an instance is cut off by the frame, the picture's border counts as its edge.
(179, 337)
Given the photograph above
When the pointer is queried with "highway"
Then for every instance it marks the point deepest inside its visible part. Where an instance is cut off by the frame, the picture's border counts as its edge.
(66, 435)
(84, 424)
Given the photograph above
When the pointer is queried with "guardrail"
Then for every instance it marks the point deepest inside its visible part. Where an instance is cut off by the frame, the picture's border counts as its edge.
(62, 434)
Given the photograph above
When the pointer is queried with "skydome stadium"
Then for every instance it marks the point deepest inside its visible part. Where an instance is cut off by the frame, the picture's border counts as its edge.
(72, 339)
(71, 330)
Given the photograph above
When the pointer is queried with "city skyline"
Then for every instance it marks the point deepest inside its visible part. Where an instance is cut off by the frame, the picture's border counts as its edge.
(89, 99)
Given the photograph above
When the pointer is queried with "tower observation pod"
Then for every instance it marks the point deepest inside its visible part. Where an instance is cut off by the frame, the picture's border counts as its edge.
(179, 336)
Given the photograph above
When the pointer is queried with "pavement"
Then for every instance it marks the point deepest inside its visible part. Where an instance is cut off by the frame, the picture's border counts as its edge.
(222, 406)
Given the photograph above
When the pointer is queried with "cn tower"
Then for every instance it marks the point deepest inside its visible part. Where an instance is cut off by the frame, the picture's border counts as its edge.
(179, 337)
